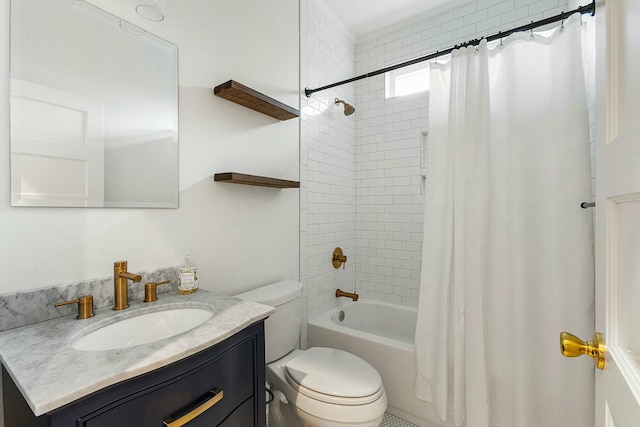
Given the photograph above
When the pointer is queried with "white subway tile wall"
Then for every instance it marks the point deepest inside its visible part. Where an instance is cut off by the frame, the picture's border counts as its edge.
(327, 164)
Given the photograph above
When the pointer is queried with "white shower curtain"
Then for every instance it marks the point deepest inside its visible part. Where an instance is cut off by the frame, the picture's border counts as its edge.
(508, 251)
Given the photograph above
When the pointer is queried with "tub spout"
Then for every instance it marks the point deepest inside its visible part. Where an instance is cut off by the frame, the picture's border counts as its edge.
(351, 295)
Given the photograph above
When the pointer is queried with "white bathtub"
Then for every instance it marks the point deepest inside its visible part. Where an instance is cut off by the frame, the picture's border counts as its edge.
(382, 334)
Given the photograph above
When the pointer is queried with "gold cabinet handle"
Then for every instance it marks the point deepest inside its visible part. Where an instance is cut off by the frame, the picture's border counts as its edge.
(216, 396)
(572, 346)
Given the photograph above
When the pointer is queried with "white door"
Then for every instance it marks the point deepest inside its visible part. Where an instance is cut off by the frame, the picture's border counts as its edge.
(57, 147)
(618, 211)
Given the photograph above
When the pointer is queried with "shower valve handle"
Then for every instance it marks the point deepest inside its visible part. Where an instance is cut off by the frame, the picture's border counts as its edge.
(338, 258)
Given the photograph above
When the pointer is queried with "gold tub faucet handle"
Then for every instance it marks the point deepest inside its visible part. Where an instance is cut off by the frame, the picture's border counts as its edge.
(338, 258)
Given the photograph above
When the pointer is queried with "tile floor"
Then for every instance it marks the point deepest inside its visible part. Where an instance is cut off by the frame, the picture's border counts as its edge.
(391, 421)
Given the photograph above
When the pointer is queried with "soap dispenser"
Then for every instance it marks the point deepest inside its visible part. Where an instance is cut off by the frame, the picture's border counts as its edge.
(187, 277)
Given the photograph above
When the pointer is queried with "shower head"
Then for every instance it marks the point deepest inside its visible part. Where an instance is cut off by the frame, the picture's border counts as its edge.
(348, 109)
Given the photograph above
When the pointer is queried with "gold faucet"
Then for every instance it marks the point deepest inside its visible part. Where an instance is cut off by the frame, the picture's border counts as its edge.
(121, 279)
(351, 295)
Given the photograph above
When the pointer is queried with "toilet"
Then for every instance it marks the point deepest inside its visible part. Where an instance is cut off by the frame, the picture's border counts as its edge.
(318, 387)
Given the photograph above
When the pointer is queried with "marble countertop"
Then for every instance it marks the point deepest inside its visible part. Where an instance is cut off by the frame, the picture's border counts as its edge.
(50, 373)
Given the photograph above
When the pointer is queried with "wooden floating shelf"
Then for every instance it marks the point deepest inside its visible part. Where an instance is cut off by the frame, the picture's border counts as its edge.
(247, 97)
(261, 181)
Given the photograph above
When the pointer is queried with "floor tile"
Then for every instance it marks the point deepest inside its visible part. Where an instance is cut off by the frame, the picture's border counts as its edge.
(392, 421)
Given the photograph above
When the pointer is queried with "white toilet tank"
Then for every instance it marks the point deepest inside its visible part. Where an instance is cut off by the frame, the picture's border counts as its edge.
(282, 328)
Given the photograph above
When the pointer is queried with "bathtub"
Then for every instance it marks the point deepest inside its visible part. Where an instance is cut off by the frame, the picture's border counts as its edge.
(382, 334)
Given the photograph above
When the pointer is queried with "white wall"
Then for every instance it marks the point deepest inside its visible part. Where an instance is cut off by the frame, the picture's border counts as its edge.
(327, 159)
(239, 236)
(388, 194)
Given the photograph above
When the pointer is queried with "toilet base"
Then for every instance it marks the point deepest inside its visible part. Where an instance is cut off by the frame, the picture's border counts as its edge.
(283, 414)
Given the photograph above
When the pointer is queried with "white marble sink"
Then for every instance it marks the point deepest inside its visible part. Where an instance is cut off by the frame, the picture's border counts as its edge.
(142, 329)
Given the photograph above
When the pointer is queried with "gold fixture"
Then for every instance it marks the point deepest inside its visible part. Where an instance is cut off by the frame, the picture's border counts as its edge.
(351, 295)
(338, 258)
(572, 346)
(348, 108)
(150, 290)
(121, 279)
(85, 306)
(216, 396)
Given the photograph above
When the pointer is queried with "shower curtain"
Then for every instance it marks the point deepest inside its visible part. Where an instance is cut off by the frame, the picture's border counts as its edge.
(508, 251)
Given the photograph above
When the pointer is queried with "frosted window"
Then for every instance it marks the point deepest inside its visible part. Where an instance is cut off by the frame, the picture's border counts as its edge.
(407, 80)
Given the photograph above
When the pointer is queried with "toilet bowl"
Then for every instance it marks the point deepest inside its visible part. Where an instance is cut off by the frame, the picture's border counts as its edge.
(319, 387)
(325, 387)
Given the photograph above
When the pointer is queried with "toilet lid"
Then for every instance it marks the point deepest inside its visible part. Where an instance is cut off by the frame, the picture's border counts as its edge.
(334, 374)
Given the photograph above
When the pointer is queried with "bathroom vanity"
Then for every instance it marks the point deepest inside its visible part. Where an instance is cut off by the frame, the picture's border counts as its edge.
(211, 375)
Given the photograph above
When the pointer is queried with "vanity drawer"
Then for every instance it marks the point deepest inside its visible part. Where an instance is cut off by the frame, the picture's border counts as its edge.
(232, 374)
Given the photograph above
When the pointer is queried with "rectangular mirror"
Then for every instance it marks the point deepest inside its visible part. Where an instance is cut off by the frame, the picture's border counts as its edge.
(94, 109)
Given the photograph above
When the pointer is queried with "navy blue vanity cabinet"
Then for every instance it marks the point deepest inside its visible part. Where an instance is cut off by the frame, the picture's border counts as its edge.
(228, 378)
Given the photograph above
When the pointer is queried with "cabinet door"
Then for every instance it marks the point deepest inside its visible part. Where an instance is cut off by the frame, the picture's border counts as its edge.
(233, 373)
(243, 416)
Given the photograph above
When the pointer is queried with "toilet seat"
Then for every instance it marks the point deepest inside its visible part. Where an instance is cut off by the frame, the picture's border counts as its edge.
(334, 376)
(316, 411)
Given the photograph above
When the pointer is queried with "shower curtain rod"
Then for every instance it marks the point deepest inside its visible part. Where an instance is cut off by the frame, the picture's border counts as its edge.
(590, 8)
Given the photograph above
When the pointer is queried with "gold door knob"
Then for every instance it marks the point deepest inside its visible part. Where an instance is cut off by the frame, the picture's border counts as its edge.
(572, 346)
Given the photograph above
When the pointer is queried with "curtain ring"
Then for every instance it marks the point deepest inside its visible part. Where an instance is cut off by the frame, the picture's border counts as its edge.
(562, 21)
(531, 31)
